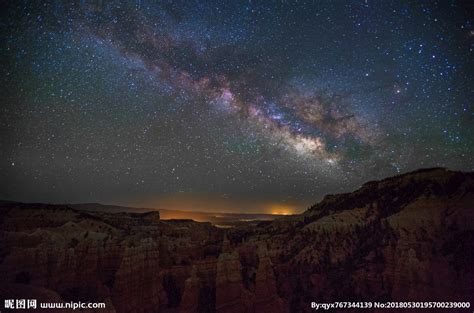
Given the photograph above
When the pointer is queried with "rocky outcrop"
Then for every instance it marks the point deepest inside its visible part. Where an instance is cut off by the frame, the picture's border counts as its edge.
(137, 285)
(190, 300)
(231, 296)
(266, 292)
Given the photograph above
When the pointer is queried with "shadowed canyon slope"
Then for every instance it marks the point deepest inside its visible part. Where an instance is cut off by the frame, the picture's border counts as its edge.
(410, 237)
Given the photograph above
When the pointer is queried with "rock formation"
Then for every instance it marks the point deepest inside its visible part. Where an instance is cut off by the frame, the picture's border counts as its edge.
(231, 296)
(190, 300)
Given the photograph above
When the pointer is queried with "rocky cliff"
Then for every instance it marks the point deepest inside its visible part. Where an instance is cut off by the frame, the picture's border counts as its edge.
(408, 237)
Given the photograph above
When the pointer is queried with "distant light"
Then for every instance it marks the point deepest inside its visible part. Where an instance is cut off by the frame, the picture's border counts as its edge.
(281, 209)
(281, 213)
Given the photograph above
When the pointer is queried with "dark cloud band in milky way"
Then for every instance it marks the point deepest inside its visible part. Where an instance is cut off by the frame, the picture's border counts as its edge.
(298, 120)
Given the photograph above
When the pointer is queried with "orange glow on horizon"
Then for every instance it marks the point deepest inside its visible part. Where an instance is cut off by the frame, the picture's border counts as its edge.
(189, 203)
(280, 209)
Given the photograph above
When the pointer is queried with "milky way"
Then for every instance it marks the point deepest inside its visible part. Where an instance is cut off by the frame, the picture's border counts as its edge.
(247, 105)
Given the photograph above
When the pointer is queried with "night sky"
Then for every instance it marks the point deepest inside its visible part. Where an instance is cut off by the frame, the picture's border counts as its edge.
(229, 106)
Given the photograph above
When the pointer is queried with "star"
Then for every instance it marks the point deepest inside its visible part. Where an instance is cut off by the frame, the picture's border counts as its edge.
(132, 104)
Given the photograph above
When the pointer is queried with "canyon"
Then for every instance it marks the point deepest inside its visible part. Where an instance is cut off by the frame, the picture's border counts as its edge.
(404, 238)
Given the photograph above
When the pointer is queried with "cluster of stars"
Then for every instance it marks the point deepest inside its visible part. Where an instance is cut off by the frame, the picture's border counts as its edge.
(126, 103)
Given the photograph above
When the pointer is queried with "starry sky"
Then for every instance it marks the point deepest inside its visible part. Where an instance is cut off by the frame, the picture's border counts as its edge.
(239, 106)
